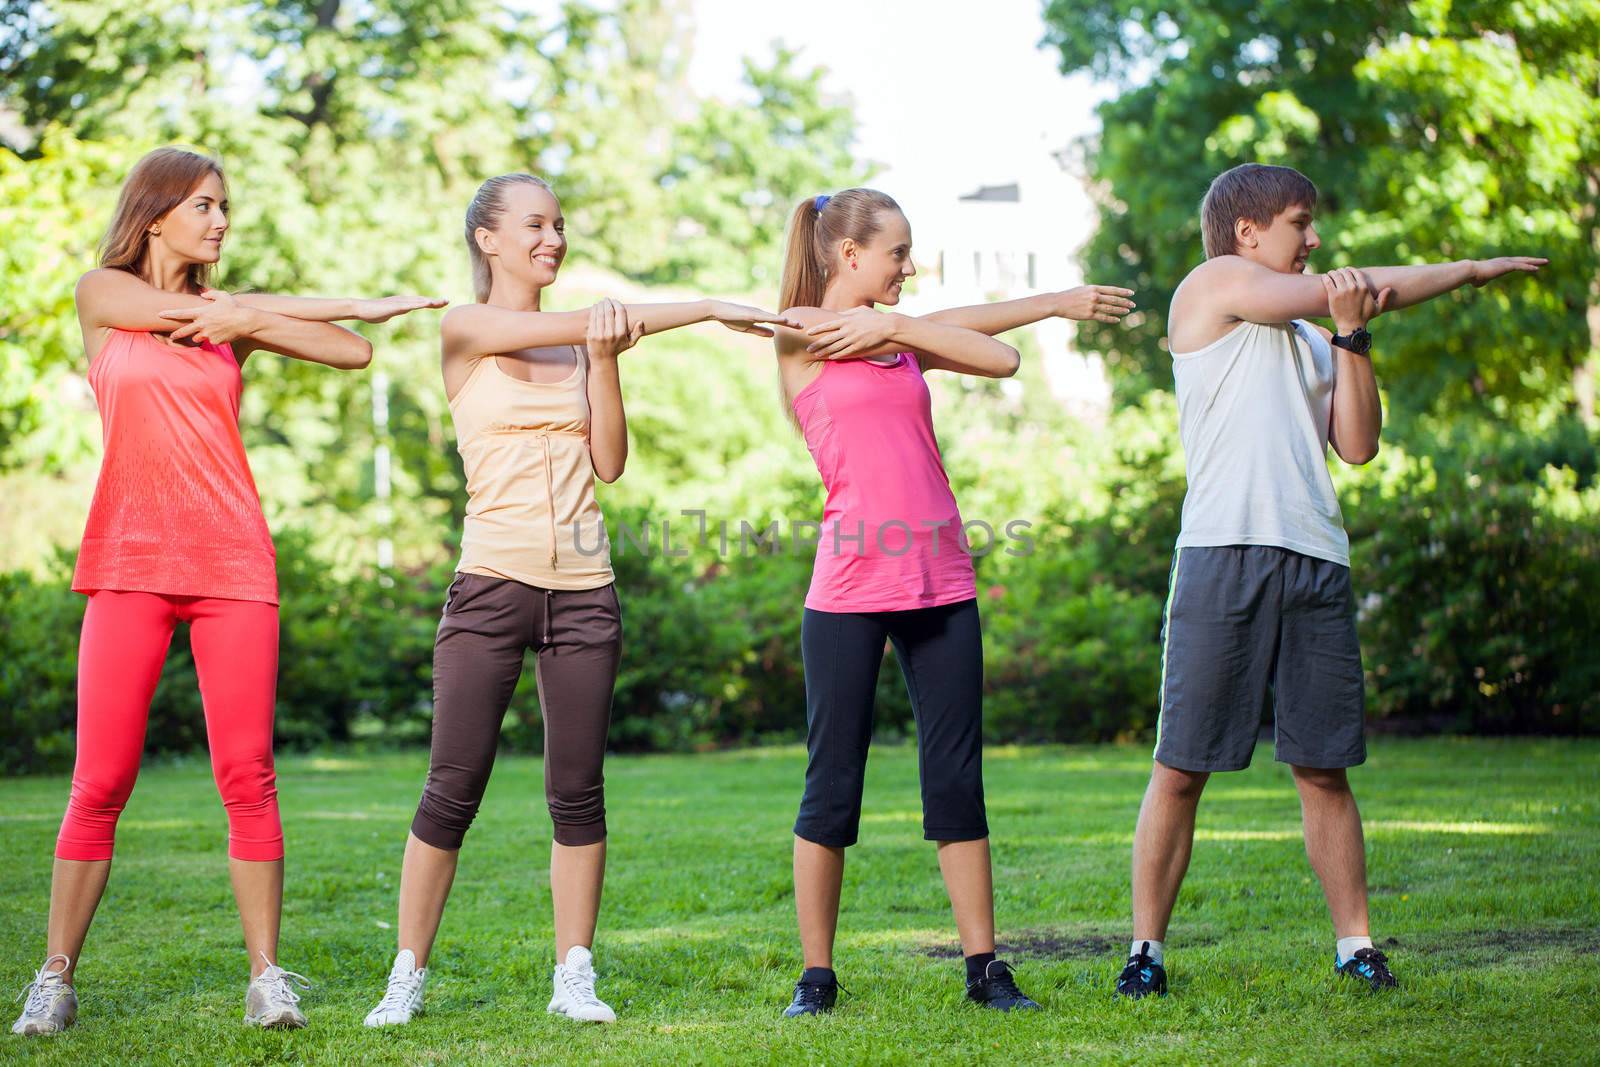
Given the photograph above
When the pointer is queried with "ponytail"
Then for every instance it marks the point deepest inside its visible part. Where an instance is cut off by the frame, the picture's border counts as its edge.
(816, 227)
(805, 273)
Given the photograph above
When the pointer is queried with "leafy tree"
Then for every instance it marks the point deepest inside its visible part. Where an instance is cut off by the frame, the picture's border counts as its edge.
(738, 168)
(1433, 128)
(354, 135)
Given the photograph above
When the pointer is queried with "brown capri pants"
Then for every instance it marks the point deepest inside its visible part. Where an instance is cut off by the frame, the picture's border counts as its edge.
(477, 658)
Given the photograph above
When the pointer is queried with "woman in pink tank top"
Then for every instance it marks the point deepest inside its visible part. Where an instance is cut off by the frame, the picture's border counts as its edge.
(892, 562)
(176, 534)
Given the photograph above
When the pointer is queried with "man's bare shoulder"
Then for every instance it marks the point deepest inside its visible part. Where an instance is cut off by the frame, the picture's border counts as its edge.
(1217, 272)
(1198, 313)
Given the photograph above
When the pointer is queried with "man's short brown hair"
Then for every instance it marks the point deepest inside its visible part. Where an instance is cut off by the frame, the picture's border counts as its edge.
(1253, 191)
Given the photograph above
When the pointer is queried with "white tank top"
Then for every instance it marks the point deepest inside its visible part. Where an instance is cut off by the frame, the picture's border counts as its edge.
(1253, 413)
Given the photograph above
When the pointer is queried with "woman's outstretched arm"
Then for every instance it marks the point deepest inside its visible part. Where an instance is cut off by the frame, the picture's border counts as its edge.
(864, 333)
(479, 329)
(223, 320)
(332, 309)
(1101, 303)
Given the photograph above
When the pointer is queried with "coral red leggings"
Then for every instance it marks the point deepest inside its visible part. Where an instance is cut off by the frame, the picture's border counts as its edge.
(120, 655)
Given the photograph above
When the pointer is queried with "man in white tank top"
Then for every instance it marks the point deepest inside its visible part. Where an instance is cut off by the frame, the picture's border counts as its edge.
(1259, 605)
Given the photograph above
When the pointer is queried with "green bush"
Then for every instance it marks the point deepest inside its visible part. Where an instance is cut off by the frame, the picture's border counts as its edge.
(1474, 584)
(39, 667)
(1477, 589)
(348, 650)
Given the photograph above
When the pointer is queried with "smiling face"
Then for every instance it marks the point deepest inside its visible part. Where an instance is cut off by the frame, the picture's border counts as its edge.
(876, 271)
(193, 231)
(1284, 244)
(529, 240)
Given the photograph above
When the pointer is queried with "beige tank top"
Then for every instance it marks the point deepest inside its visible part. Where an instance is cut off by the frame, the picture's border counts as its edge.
(531, 512)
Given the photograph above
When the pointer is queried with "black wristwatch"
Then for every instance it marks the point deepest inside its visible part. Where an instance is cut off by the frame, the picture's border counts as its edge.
(1359, 341)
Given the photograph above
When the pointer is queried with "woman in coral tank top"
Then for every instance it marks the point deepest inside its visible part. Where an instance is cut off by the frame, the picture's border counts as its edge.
(892, 562)
(176, 534)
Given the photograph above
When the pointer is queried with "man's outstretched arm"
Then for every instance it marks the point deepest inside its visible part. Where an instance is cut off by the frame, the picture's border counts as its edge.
(1250, 292)
(1413, 285)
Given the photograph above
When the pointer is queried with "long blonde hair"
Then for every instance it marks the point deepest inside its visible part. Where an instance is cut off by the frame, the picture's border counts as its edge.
(157, 183)
(487, 206)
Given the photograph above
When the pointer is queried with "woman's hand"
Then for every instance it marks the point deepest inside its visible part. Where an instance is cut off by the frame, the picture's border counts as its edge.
(855, 331)
(609, 332)
(220, 321)
(1102, 303)
(744, 319)
(384, 308)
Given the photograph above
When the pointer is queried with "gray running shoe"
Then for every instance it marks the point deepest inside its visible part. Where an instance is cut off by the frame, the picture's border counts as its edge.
(52, 1004)
(271, 1000)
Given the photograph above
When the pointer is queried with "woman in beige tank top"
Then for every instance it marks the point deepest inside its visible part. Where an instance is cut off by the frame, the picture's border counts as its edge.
(538, 410)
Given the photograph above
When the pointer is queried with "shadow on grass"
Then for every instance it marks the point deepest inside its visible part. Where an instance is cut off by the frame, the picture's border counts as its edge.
(1525, 946)
(1055, 945)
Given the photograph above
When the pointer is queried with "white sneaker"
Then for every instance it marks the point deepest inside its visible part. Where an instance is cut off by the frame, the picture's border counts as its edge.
(574, 995)
(271, 1000)
(52, 1004)
(403, 999)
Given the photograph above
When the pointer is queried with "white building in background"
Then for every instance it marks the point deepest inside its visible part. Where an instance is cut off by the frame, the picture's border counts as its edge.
(1015, 237)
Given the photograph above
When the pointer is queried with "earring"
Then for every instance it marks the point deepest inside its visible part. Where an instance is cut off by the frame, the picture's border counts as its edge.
(853, 264)
(155, 231)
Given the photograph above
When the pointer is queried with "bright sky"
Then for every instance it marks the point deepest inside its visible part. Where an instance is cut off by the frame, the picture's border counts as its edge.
(949, 94)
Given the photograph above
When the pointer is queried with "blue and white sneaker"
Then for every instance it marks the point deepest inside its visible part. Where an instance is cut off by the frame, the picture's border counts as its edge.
(1370, 966)
(1142, 977)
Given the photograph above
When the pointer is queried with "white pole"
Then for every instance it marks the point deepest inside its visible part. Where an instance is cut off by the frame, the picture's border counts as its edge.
(381, 484)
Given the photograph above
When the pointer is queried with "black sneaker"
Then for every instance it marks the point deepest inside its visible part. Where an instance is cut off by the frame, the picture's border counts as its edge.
(812, 998)
(998, 990)
(1371, 967)
(1142, 976)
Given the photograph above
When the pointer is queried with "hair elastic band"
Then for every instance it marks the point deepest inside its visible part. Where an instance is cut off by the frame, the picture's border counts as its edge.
(821, 202)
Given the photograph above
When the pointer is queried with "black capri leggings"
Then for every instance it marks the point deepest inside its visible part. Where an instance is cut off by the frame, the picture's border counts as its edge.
(941, 655)
(477, 658)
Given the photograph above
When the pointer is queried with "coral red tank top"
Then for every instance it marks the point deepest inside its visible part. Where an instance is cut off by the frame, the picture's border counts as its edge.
(175, 509)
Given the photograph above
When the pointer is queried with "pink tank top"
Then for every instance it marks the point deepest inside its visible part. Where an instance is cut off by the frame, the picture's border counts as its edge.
(891, 536)
(175, 509)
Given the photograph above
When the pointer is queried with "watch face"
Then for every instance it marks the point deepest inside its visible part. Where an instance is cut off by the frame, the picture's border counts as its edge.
(1359, 342)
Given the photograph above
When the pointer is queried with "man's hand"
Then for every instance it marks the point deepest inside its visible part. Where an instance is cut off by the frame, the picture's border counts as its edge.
(1485, 271)
(1352, 303)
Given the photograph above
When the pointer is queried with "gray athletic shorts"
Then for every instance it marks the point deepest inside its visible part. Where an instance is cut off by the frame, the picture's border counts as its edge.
(1249, 623)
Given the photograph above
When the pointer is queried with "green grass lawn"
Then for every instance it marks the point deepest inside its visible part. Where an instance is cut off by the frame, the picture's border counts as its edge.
(1484, 858)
